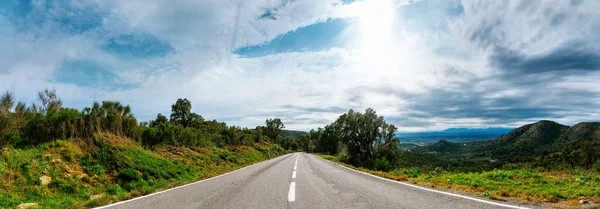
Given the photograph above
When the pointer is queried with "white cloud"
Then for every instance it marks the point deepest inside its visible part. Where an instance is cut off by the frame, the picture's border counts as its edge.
(427, 53)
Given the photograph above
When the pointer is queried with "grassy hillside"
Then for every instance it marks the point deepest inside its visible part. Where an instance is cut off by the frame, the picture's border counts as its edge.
(59, 157)
(556, 189)
(82, 175)
(544, 162)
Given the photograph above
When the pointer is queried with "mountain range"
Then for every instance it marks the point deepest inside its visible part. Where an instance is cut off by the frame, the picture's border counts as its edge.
(545, 143)
(454, 134)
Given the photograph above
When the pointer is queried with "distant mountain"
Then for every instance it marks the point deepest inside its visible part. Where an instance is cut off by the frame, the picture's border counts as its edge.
(454, 134)
(292, 133)
(544, 144)
(542, 137)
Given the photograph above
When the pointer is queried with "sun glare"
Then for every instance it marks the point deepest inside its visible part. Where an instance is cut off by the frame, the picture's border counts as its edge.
(376, 18)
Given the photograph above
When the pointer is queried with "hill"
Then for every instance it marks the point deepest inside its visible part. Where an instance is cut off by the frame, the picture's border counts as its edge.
(75, 174)
(544, 144)
(292, 133)
(59, 157)
(543, 137)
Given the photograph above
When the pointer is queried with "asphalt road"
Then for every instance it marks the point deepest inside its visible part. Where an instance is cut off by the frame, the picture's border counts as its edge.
(317, 183)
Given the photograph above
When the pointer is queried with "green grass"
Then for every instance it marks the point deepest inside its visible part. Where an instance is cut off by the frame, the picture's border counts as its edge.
(555, 188)
(523, 184)
(112, 171)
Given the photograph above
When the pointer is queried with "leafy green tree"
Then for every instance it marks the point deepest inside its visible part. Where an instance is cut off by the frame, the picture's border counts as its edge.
(196, 121)
(181, 112)
(306, 143)
(160, 119)
(273, 128)
(366, 136)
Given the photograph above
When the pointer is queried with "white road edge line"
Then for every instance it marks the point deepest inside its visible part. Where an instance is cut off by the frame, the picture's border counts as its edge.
(292, 192)
(179, 187)
(295, 167)
(294, 174)
(432, 190)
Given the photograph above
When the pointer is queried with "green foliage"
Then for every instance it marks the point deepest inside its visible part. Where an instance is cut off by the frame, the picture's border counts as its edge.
(292, 133)
(382, 165)
(273, 128)
(7, 100)
(288, 142)
(181, 113)
(366, 138)
(128, 175)
(117, 170)
(50, 101)
(160, 119)
(63, 186)
(28, 126)
(543, 145)
(95, 169)
(103, 149)
(10, 138)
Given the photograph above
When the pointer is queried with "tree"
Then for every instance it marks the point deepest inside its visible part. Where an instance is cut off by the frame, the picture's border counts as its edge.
(160, 119)
(50, 101)
(365, 134)
(181, 112)
(7, 101)
(195, 121)
(273, 128)
(307, 143)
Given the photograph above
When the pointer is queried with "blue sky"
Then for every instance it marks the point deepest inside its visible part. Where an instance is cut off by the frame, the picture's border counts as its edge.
(423, 64)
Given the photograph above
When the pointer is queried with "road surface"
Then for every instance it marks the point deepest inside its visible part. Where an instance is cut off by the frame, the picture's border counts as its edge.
(301, 180)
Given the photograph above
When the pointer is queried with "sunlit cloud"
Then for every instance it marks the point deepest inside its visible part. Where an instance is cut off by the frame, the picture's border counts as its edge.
(424, 65)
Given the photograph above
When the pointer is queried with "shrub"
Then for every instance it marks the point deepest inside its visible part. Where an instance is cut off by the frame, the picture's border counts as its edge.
(382, 165)
(10, 138)
(116, 189)
(63, 186)
(128, 175)
(596, 166)
(95, 170)
(486, 194)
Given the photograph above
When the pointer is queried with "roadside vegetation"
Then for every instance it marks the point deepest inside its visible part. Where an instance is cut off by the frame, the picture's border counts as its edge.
(558, 189)
(544, 163)
(58, 157)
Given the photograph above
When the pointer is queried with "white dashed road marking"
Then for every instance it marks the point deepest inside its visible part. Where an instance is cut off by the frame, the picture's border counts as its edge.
(292, 192)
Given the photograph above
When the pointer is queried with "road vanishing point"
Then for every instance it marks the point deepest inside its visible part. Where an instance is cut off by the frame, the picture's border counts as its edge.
(301, 180)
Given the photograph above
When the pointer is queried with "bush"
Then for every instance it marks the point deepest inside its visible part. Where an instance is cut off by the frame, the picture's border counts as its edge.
(344, 157)
(63, 186)
(116, 189)
(10, 138)
(95, 170)
(596, 166)
(128, 175)
(382, 165)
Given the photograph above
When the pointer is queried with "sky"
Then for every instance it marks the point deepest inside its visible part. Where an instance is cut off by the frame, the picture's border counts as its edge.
(422, 64)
